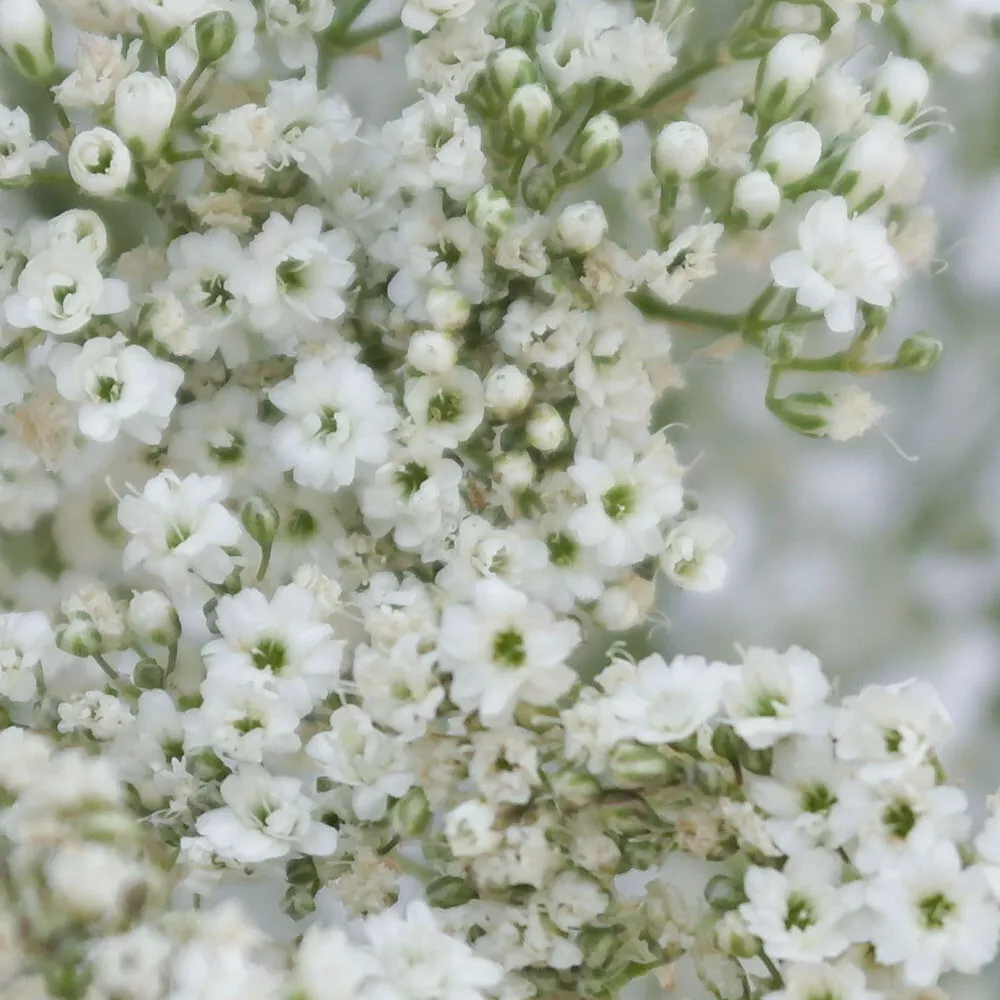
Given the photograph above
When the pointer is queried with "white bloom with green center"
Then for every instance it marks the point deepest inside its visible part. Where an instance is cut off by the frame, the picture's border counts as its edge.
(19, 153)
(448, 407)
(504, 649)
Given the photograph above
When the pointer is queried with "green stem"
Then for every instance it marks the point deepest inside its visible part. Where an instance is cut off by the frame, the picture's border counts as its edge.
(776, 980)
(191, 82)
(672, 84)
(352, 11)
(649, 305)
(362, 36)
(107, 668)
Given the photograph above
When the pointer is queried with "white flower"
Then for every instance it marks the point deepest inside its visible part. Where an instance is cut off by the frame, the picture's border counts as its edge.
(666, 703)
(448, 407)
(264, 817)
(26, 644)
(504, 765)
(374, 764)
(243, 141)
(99, 161)
(337, 418)
(203, 269)
(60, 289)
(19, 153)
(420, 962)
(293, 23)
(423, 15)
(469, 829)
(891, 729)
(842, 980)
(119, 385)
(802, 913)
(283, 639)
(680, 151)
(627, 497)
(773, 695)
(329, 966)
(179, 527)
(574, 899)
(841, 259)
(504, 648)
(692, 556)
(296, 272)
(399, 688)
(100, 67)
(932, 915)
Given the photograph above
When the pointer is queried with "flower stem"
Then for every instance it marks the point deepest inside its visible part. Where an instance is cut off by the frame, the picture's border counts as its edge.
(649, 305)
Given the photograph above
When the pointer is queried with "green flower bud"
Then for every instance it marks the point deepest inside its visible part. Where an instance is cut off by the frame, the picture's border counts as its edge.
(918, 353)
(79, 637)
(448, 891)
(261, 520)
(734, 938)
(206, 766)
(575, 788)
(153, 618)
(510, 69)
(529, 112)
(490, 210)
(539, 187)
(724, 893)
(627, 815)
(411, 814)
(214, 34)
(599, 144)
(26, 36)
(634, 765)
(517, 23)
(148, 674)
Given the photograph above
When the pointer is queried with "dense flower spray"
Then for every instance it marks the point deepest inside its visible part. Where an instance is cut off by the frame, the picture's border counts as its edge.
(338, 450)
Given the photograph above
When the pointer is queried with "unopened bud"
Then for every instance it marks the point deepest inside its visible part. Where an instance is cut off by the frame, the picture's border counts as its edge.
(575, 788)
(144, 109)
(448, 891)
(411, 814)
(26, 36)
(634, 765)
(582, 227)
(733, 936)
(756, 199)
(539, 187)
(491, 211)
(205, 766)
(680, 152)
(148, 674)
(918, 353)
(507, 391)
(514, 471)
(153, 618)
(517, 23)
(510, 69)
(599, 144)
(789, 70)
(261, 520)
(432, 352)
(79, 637)
(791, 152)
(875, 161)
(214, 35)
(529, 112)
(724, 893)
(624, 605)
(627, 815)
(546, 430)
(899, 89)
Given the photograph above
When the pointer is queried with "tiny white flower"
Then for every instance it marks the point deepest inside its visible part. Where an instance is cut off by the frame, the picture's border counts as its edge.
(693, 556)
(19, 153)
(99, 162)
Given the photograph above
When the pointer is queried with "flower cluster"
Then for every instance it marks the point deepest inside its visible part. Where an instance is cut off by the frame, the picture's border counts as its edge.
(332, 449)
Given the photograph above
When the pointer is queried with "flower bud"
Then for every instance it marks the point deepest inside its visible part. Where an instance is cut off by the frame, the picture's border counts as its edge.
(507, 390)
(144, 109)
(724, 893)
(148, 674)
(575, 788)
(510, 69)
(733, 936)
(791, 152)
(261, 520)
(756, 199)
(788, 71)
(918, 353)
(26, 36)
(680, 152)
(599, 144)
(490, 210)
(899, 89)
(432, 352)
(599, 945)
(448, 891)
(153, 618)
(517, 23)
(205, 766)
(840, 415)
(582, 227)
(411, 814)
(301, 871)
(627, 814)
(623, 606)
(214, 35)
(514, 471)
(99, 162)
(79, 637)
(529, 112)
(875, 161)
(539, 187)
(634, 765)
(546, 430)
(537, 718)
(447, 308)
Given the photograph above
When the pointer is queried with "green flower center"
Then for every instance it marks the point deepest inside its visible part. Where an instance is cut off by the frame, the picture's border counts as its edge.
(269, 654)
(508, 648)
(444, 408)
(800, 913)
(619, 501)
(411, 477)
(562, 548)
(935, 910)
(899, 819)
(818, 799)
